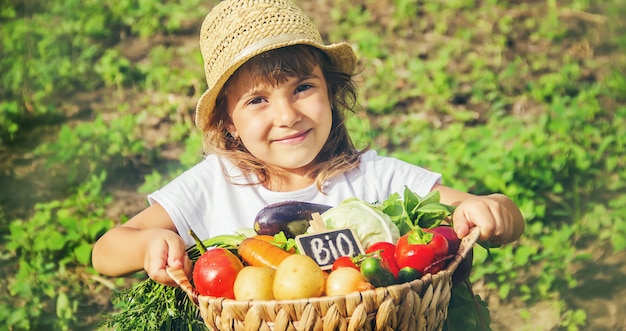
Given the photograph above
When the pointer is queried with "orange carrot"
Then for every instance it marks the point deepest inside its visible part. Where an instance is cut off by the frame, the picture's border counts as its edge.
(271, 239)
(264, 237)
(261, 253)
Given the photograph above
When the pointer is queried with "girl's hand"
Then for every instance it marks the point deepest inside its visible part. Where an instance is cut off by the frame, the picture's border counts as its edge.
(166, 249)
(499, 220)
(497, 216)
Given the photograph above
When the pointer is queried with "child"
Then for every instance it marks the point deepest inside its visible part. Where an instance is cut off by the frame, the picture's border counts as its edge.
(274, 130)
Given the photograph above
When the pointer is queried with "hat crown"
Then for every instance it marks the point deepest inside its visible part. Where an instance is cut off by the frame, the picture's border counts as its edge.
(234, 30)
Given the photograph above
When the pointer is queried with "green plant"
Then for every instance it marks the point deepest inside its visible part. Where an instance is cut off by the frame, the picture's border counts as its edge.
(53, 253)
(147, 18)
(50, 48)
(114, 70)
(93, 147)
(47, 49)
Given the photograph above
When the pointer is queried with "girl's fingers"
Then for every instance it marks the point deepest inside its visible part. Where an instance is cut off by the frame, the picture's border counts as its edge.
(498, 219)
(461, 227)
(187, 265)
(162, 277)
(473, 212)
(169, 251)
(175, 252)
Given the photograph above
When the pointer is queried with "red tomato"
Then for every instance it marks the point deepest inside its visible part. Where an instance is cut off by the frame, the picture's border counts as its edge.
(386, 253)
(344, 261)
(215, 271)
(421, 256)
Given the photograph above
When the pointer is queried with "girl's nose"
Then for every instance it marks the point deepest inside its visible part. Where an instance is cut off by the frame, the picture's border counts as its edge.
(286, 114)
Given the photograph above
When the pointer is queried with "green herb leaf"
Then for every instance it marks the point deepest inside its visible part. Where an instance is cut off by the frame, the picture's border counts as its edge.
(467, 311)
(432, 214)
(287, 244)
(412, 211)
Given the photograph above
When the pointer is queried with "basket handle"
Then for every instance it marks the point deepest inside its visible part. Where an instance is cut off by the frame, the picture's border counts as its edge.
(179, 276)
(467, 244)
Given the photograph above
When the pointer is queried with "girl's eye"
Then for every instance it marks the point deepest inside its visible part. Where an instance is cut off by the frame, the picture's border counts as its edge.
(303, 87)
(255, 101)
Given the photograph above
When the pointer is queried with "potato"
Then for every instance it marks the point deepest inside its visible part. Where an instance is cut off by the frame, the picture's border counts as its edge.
(298, 276)
(254, 283)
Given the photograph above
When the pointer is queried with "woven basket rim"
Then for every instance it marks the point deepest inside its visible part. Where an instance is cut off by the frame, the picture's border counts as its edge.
(466, 245)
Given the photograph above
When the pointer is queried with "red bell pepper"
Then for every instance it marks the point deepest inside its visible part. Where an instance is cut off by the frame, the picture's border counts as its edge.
(421, 249)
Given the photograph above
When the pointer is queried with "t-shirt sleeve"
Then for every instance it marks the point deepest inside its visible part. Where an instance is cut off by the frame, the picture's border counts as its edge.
(204, 200)
(184, 199)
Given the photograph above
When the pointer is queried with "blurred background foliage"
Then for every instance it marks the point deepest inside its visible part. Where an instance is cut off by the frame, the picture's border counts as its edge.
(527, 98)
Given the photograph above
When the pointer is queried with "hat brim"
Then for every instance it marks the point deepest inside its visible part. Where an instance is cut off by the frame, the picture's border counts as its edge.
(341, 54)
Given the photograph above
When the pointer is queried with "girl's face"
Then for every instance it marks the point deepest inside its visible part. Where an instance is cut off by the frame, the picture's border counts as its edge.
(284, 124)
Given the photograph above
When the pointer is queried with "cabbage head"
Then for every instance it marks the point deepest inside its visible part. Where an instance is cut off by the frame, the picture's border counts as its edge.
(368, 222)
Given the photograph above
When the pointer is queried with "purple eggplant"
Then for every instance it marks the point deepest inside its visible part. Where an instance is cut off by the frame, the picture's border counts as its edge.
(291, 217)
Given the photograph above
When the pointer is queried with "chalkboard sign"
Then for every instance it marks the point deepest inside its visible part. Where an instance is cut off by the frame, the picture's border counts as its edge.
(325, 247)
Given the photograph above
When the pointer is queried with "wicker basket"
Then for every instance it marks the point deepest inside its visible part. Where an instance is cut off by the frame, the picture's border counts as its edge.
(418, 305)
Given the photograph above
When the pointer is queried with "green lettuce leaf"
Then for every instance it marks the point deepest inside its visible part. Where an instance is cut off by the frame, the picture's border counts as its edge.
(367, 220)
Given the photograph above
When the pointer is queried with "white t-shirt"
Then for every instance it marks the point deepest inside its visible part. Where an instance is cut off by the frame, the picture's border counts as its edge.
(202, 198)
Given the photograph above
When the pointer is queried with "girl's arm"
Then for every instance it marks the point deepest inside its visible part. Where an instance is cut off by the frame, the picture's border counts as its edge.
(498, 218)
(147, 241)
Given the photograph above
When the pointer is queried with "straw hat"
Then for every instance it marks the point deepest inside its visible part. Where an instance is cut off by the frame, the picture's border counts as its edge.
(237, 30)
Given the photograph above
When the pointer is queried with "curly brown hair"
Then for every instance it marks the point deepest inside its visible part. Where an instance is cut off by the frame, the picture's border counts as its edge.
(338, 154)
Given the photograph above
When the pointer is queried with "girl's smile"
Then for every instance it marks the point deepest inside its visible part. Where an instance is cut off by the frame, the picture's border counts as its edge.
(293, 139)
(283, 123)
